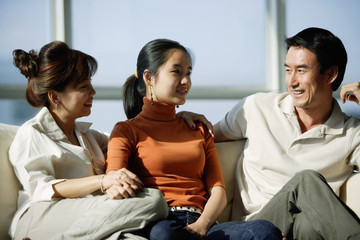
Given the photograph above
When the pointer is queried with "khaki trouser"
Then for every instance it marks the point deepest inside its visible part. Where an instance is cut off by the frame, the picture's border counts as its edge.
(92, 218)
(307, 208)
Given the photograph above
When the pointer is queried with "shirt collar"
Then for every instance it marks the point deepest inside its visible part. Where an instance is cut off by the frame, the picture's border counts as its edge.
(47, 123)
(334, 125)
(158, 111)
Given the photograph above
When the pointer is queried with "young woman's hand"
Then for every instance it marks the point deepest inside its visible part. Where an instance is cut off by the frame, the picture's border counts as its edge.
(350, 92)
(198, 228)
(190, 118)
(121, 184)
(212, 210)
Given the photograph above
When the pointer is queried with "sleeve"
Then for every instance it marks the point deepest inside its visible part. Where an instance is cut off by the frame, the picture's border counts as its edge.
(102, 139)
(212, 171)
(121, 145)
(232, 125)
(31, 155)
(355, 150)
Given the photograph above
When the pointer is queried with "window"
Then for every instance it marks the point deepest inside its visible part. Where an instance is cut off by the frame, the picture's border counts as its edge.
(228, 38)
(23, 25)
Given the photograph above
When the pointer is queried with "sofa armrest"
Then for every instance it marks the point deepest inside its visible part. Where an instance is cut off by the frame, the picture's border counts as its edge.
(9, 185)
(229, 153)
(350, 193)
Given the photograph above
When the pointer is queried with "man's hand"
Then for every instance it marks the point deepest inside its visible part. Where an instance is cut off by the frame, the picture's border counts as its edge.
(190, 118)
(350, 92)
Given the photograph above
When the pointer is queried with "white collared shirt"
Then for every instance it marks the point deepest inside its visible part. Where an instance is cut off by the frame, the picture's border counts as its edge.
(42, 155)
(276, 149)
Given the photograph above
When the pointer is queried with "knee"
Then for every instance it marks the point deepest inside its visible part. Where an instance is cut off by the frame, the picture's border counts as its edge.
(263, 229)
(161, 231)
(255, 229)
(157, 203)
(305, 230)
(309, 175)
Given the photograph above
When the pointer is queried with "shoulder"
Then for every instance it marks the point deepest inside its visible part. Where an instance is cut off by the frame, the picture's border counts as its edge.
(263, 98)
(28, 129)
(202, 129)
(352, 123)
(259, 102)
(121, 128)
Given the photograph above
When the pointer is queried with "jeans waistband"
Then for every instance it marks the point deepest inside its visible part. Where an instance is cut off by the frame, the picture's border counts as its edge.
(185, 209)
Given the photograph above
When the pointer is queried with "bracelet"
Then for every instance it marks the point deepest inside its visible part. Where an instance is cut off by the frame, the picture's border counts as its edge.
(101, 183)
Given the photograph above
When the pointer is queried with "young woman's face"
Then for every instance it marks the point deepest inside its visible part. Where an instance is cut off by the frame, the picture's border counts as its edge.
(76, 101)
(172, 82)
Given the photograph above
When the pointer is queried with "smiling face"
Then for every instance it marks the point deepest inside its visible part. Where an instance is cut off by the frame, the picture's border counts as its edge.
(76, 100)
(172, 81)
(309, 89)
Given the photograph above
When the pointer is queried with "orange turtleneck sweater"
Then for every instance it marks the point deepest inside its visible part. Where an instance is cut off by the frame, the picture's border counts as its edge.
(166, 154)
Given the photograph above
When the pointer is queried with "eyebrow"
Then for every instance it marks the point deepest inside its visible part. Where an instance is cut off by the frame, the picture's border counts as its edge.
(178, 65)
(299, 66)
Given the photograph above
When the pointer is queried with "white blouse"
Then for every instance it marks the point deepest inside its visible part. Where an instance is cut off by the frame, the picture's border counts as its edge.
(42, 155)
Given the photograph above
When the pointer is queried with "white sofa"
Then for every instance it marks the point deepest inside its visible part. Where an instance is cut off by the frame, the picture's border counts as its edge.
(228, 152)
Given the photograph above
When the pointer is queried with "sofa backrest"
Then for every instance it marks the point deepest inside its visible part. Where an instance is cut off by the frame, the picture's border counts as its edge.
(228, 153)
(9, 185)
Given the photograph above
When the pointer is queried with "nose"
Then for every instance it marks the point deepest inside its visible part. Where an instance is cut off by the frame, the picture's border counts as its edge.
(186, 80)
(291, 79)
(92, 90)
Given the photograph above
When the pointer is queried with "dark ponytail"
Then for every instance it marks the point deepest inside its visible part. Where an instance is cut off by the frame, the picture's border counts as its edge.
(133, 92)
(152, 56)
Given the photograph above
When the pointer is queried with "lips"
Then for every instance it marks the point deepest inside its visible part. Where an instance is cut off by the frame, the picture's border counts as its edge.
(89, 103)
(298, 92)
(182, 91)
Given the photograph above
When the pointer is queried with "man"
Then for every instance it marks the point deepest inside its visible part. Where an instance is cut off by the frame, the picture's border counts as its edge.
(288, 133)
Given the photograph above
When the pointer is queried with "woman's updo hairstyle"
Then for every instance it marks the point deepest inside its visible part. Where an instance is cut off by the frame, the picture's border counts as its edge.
(53, 68)
(152, 56)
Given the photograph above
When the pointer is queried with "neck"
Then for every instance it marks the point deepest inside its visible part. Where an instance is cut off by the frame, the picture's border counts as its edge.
(311, 117)
(66, 125)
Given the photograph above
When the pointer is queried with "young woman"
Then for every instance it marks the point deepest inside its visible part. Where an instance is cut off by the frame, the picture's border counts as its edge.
(167, 155)
(60, 162)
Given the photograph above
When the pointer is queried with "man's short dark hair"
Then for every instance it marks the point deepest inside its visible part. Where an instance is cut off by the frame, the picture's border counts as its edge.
(328, 48)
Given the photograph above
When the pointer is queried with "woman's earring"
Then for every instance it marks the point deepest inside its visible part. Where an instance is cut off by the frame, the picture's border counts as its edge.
(152, 100)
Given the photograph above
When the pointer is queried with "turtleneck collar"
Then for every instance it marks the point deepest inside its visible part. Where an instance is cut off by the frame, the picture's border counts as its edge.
(158, 111)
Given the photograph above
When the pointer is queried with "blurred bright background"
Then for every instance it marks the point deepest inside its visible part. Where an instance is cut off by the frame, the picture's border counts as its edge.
(237, 44)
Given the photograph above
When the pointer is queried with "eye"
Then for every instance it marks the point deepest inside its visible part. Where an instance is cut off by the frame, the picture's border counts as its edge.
(176, 71)
(301, 70)
(84, 86)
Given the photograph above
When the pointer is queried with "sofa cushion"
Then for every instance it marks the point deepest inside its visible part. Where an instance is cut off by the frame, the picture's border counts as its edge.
(229, 153)
(9, 185)
(350, 194)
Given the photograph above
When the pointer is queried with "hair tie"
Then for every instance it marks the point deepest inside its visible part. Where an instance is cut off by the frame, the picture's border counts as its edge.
(136, 74)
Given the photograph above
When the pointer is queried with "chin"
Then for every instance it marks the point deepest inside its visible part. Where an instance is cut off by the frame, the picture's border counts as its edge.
(301, 104)
(87, 113)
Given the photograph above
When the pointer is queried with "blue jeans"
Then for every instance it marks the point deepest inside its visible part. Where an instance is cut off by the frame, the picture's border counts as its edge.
(173, 228)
